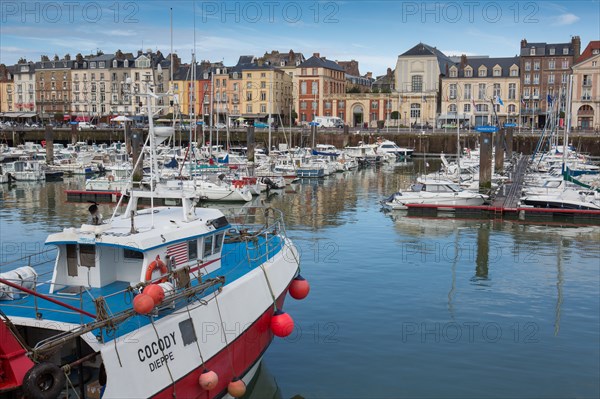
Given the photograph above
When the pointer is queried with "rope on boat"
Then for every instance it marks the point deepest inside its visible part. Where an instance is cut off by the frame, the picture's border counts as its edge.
(223, 331)
(163, 354)
(187, 307)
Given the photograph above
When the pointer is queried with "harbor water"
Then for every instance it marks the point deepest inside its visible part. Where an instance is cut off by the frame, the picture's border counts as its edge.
(401, 306)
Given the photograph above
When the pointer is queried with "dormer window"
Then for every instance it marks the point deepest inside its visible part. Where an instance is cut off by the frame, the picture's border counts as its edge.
(482, 72)
(453, 72)
(114, 63)
(126, 63)
(596, 51)
(497, 71)
(468, 72)
(92, 65)
(532, 51)
(566, 51)
(552, 51)
(101, 64)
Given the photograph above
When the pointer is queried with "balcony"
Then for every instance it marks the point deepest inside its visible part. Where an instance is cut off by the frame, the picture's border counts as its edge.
(586, 98)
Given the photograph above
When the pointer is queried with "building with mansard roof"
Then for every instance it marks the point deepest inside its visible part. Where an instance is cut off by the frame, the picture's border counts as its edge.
(481, 91)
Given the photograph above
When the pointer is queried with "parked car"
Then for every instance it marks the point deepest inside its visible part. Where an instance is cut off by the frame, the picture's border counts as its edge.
(86, 126)
(103, 126)
(220, 125)
(260, 125)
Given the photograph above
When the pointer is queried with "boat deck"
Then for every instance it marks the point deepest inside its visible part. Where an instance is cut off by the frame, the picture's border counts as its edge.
(238, 258)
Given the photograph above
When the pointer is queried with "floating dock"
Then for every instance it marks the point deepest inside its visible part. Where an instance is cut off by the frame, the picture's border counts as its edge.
(506, 205)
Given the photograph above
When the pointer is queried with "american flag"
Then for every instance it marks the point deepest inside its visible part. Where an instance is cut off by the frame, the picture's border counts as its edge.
(179, 251)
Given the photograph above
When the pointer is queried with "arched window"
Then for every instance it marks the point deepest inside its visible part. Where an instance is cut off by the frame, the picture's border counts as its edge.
(512, 108)
(415, 110)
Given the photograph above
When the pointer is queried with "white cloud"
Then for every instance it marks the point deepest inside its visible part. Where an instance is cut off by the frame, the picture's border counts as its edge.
(566, 19)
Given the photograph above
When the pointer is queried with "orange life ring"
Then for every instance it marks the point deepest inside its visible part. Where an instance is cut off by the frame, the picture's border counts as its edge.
(111, 178)
(157, 263)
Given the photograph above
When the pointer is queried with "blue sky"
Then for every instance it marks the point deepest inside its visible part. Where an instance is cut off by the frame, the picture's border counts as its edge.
(371, 32)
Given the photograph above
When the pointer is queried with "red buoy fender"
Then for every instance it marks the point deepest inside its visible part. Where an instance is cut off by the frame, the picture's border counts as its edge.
(299, 288)
(157, 263)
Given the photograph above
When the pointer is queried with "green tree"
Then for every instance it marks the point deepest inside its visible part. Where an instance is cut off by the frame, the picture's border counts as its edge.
(395, 115)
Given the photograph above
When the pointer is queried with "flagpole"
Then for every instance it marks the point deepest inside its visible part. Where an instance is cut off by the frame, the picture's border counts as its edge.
(399, 113)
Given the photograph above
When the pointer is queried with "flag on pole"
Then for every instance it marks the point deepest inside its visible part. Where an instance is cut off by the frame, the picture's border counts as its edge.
(473, 102)
(424, 99)
(523, 103)
(499, 100)
(550, 100)
(179, 252)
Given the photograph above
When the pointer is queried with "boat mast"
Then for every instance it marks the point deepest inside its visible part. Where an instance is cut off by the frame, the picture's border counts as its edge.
(270, 108)
(568, 121)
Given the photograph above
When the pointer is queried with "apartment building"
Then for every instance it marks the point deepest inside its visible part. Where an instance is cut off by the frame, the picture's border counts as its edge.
(481, 91)
(585, 111)
(317, 79)
(23, 96)
(545, 70)
(265, 90)
(53, 88)
(6, 89)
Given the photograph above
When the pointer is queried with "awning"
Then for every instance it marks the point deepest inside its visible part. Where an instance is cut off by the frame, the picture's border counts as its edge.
(17, 114)
(82, 119)
(28, 115)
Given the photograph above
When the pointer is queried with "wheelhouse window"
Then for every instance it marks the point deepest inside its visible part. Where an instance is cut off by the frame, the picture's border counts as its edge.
(208, 241)
(87, 255)
(72, 259)
(132, 254)
(218, 242)
(193, 249)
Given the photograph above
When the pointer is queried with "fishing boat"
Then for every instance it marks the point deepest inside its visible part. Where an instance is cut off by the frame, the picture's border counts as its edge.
(156, 302)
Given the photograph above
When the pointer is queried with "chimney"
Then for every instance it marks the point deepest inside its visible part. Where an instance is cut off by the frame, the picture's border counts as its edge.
(369, 75)
(140, 52)
(576, 42)
(389, 72)
(463, 61)
(317, 55)
(523, 43)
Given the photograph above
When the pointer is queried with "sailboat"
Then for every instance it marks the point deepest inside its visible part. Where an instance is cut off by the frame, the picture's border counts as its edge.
(162, 302)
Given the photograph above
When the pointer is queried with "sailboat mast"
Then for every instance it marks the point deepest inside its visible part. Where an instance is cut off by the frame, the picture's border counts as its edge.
(568, 129)
(270, 107)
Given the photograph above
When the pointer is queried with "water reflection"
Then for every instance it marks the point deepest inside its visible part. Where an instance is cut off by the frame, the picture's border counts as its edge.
(263, 385)
(483, 251)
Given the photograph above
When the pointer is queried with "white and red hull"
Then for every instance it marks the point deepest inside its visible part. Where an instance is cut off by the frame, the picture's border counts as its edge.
(230, 337)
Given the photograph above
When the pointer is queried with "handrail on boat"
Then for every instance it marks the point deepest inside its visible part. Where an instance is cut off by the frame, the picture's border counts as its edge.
(46, 297)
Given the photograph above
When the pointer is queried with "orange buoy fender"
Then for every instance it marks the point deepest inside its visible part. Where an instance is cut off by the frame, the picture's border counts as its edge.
(155, 292)
(299, 288)
(282, 324)
(236, 388)
(143, 303)
(157, 263)
(208, 380)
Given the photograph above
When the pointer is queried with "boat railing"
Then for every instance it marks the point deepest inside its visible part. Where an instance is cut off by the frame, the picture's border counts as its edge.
(266, 224)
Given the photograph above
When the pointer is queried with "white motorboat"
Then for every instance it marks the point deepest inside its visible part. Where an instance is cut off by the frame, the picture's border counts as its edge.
(434, 192)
